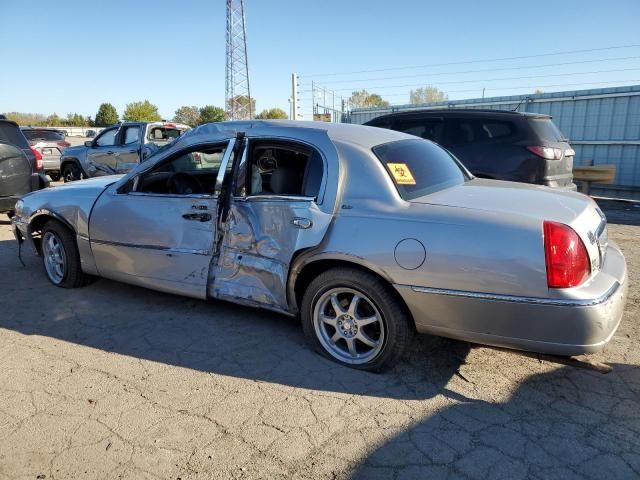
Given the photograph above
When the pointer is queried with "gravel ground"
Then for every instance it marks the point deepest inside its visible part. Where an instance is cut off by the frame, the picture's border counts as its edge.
(113, 381)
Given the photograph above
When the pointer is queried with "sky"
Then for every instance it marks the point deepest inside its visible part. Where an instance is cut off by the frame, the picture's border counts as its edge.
(70, 56)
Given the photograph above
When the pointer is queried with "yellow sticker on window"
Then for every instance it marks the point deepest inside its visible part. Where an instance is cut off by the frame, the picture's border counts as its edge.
(401, 173)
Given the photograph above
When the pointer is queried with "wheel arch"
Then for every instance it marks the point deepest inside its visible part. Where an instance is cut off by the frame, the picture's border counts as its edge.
(306, 269)
(39, 218)
(72, 161)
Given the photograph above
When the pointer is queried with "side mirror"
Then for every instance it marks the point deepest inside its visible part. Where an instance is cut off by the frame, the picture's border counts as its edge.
(88, 143)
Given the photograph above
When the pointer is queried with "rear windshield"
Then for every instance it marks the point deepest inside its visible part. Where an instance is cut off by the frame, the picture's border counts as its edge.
(418, 167)
(163, 134)
(45, 135)
(11, 134)
(547, 130)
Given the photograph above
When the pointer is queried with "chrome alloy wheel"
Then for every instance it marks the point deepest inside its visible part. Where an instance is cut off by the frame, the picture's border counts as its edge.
(348, 325)
(55, 257)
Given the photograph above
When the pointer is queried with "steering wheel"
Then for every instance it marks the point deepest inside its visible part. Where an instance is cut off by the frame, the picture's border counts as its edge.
(183, 184)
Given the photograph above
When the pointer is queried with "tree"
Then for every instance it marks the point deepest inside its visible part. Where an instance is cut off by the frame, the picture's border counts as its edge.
(364, 99)
(187, 115)
(272, 113)
(210, 113)
(427, 95)
(74, 120)
(141, 112)
(107, 115)
(53, 120)
(243, 100)
(538, 92)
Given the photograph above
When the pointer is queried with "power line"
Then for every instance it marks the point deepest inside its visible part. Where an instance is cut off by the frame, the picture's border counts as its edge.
(524, 67)
(409, 67)
(485, 80)
(525, 86)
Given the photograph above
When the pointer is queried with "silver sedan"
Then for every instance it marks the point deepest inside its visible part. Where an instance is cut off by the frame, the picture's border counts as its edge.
(368, 234)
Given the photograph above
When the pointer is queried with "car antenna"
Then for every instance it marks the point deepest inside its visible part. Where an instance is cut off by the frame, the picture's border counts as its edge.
(518, 106)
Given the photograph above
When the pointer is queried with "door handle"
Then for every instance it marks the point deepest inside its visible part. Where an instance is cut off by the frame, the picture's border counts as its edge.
(201, 217)
(301, 222)
(132, 151)
(109, 152)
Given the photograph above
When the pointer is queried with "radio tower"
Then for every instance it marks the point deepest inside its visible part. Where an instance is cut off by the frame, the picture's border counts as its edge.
(238, 95)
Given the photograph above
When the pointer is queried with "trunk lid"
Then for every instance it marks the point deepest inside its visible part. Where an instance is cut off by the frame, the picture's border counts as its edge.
(534, 201)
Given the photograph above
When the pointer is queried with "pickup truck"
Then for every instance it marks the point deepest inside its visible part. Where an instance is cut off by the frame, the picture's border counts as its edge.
(117, 149)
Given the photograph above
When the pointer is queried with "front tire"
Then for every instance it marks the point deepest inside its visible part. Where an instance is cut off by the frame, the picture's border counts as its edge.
(60, 257)
(353, 317)
(71, 173)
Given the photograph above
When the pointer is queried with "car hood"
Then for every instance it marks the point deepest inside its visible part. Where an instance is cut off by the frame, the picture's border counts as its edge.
(521, 199)
(75, 150)
(96, 183)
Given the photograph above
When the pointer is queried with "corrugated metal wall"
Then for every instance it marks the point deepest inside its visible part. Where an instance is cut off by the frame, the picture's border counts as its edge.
(602, 124)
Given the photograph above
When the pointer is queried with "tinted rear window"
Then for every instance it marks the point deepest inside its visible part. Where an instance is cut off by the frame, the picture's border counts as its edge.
(418, 167)
(547, 130)
(466, 131)
(11, 134)
(44, 135)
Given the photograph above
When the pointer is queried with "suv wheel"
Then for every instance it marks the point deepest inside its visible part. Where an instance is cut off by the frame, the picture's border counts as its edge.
(70, 173)
(352, 317)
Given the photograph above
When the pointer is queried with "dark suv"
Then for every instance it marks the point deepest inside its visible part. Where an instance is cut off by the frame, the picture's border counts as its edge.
(20, 166)
(498, 144)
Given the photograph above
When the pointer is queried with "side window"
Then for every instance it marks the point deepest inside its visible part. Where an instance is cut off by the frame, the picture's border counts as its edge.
(429, 128)
(193, 171)
(494, 129)
(280, 168)
(131, 135)
(107, 138)
(462, 132)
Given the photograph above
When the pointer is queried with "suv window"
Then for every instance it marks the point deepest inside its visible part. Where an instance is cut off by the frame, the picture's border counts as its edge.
(107, 138)
(466, 131)
(418, 168)
(427, 128)
(547, 130)
(46, 135)
(11, 134)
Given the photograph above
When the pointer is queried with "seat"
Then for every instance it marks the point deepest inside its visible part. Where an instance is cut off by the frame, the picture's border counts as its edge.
(285, 181)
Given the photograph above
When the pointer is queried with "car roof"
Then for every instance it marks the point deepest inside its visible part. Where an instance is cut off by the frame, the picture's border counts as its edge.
(351, 133)
(6, 120)
(477, 112)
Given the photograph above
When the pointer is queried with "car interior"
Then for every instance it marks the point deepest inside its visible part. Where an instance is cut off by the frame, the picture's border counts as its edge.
(191, 173)
(272, 169)
(280, 168)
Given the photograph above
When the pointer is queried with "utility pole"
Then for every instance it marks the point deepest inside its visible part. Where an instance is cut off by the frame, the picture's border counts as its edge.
(294, 96)
(238, 95)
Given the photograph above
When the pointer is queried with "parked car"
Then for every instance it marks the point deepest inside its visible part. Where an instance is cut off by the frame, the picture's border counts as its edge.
(20, 166)
(496, 144)
(368, 234)
(50, 143)
(117, 149)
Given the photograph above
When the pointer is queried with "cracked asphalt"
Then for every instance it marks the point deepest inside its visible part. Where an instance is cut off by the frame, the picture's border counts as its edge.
(113, 381)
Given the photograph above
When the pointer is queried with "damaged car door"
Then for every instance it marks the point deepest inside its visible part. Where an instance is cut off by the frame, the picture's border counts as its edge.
(272, 214)
(158, 229)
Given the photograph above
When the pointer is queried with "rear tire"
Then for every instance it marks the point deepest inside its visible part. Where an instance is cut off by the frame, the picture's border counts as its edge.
(55, 176)
(60, 257)
(352, 317)
(71, 173)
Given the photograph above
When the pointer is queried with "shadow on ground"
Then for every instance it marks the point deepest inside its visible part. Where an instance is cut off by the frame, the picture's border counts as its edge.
(212, 336)
(565, 424)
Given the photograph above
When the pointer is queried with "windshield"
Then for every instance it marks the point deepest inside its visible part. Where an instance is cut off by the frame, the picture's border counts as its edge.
(418, 167)
(547, 130)
(46, 135)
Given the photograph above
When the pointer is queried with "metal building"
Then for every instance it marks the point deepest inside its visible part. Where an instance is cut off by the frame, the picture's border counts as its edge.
(603, 126)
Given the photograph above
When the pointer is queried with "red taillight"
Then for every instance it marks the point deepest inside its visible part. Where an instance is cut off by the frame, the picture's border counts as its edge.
(38, 156)
(566, 256)
(548, 153)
